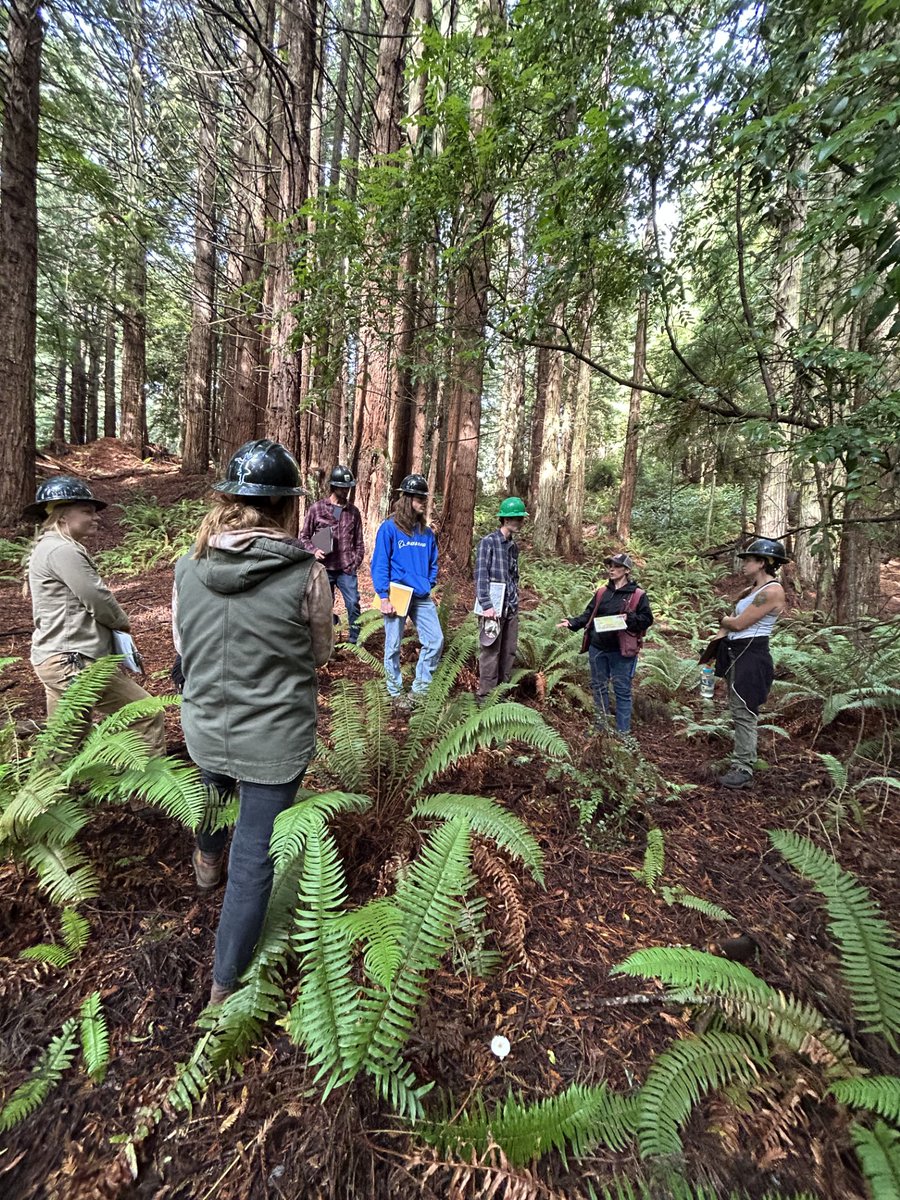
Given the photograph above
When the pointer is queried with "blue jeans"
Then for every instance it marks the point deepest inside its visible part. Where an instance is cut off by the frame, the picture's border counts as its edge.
(250, 869)
(348, 586)
(423, 614)
(609, 665)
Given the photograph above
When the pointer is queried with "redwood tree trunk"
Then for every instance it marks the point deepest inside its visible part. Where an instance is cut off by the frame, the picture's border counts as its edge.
(633, 429)
(18, 257)
(77, 395)
(109, 375)
(93, 388)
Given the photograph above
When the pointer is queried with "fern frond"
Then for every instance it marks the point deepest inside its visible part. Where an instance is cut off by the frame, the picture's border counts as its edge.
(31, 1094)
(878, 1093)
(881, 696)
(305, 816)
(654, 857)
(39, 791)
(500, 722)
(75, 933)
(576, 1120)
(678, 895)
(687, 1070)
(379, 925)
(167, 783)
(325, 1012)
(878, 1151)
(69, 723)
(49, 953)
(94, 1037)
(870, 960)
(488, 819)
(64, 873)
(693, 971)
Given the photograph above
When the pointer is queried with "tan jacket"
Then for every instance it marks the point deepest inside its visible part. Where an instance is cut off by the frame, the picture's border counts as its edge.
(74, 610)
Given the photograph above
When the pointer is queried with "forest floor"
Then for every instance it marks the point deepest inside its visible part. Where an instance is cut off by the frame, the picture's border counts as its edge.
(266, 1133)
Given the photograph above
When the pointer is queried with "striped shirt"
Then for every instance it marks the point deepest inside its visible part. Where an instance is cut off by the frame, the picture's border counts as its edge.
(497, 561)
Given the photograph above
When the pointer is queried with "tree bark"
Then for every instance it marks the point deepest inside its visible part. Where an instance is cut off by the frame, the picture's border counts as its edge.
(201, 344)
(77, 394)
(93, 387)
(633, 429)
(109, 375)
(58, 436)
(541, 367)
(578, 452)
(18, 257)
(548, 506)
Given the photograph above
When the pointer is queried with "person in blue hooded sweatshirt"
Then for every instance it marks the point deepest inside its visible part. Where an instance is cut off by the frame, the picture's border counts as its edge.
(406, 553)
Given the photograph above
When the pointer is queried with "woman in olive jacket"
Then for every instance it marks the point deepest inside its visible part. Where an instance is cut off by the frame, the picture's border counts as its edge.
(608, 663)
(75, 613)
(251, 616)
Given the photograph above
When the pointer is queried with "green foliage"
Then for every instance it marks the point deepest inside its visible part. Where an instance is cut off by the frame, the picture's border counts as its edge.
(31, 1094)
(49, 787)
(651, 872)
(870, 960)
(878, 1151)
(575, 1121)
(677, 1079)
(878, 1093)
(94, 1038)
(75, 933)
(664, 673)
(157, 534)
(654, 858)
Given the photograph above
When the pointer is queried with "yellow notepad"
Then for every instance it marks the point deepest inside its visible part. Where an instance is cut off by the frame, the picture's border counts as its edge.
(400, 597)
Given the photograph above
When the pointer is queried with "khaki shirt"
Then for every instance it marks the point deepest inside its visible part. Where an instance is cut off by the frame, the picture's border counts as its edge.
(74, 611)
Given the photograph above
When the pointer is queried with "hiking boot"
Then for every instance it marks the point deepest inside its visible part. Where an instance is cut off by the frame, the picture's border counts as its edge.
(736, 777)
(207, 869)
(219, 994)
(401, 703)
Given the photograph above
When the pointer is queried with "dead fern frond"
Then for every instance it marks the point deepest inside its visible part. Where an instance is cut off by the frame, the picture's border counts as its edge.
(497, 878)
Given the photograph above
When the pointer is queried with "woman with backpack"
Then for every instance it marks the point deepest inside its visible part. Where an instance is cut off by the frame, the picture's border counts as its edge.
(613, 652)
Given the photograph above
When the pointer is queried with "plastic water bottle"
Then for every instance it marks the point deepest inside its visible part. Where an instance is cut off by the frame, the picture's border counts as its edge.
(707, 682)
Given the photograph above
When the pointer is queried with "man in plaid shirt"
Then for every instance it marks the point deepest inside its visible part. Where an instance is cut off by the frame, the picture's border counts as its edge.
(497, 563)
(338, 521)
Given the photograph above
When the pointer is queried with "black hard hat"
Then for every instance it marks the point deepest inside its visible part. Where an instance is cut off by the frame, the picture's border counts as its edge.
(765, 548)
(342, 477)
(262, 468)
(414, 485)
(64, 489)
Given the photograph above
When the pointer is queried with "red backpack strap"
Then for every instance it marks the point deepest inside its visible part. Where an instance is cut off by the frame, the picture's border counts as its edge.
(586, 637)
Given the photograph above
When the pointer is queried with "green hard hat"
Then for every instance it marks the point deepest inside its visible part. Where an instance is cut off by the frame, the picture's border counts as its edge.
(512, 506)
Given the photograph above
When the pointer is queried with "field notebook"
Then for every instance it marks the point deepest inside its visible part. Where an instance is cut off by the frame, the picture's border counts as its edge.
(323, 538)
(400, 596)
(498, 597)
(610, 624)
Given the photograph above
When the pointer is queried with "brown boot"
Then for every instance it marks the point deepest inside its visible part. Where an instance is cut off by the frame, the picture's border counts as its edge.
(207, 869)
(219, 994)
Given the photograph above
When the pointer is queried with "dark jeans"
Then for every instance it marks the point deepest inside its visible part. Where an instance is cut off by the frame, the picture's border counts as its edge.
(609, 665)
(250, 869)
(348, 586)
(495, 663)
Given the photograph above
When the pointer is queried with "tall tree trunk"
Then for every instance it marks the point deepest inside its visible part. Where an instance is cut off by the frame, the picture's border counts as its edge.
(58, 437)
(541, 369)
(93, 387)
(18, 256)
(200, 352)
(109, 375)
(512, 418)
(548, 506)
(77, 394)
(298, 34)
(133, 429)
(633, 428)
(578, 452)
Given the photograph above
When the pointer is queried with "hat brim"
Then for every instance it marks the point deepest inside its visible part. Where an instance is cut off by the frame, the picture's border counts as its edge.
(231, 488)
(39, 511)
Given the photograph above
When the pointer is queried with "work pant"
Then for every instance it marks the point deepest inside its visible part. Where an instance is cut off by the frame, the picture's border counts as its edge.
(58, 671)
(423, 614)
(749, 675)
(348, 586)
(495, 662)
(606, 666)
(250, 868)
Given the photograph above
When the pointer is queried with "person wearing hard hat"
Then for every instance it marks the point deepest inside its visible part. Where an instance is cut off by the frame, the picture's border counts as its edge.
(251, 618)
(75, 613)
(743, 657)
(405, 565)
(497, 597)
(613, 651)
(337, 522)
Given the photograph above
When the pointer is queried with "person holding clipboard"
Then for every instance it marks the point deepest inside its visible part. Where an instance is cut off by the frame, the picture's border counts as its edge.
(404, 570)
(497, 597)
(333, 532)
(614, 624)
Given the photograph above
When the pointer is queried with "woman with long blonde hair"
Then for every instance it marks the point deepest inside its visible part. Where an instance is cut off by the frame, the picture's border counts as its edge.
(75, 613)
(251, 618)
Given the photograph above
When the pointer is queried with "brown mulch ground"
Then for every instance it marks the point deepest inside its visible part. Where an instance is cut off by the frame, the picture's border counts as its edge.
(265, 1133)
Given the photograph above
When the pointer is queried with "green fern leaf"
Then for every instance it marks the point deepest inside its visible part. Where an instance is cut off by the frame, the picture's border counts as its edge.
(71, 717)
(714, 911)
(379, 925)
(76, 930)
(94, 1038)
(878, 1151)
(870, 960)
(63, 873)
(305, 817)
(578, 1119)
(31, 1094)
(878, 1093)
(488, 819)
(677, 1079)
(654, 857)
(47, 952)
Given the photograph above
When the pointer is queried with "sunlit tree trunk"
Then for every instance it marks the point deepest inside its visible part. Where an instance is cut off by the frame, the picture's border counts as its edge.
(512, 418)
(109, 374)
(541, 371)
(548, 506)
(633, 429)
(77, 393)
(574, 507)
(58, 435)
(18, 256)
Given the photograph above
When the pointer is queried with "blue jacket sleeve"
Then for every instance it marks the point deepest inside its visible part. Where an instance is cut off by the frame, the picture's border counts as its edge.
(432, 562)
(381, 560)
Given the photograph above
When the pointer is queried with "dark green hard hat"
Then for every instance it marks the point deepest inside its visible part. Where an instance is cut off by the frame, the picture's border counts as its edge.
(262, 468)
(765, 548)
(61, 489)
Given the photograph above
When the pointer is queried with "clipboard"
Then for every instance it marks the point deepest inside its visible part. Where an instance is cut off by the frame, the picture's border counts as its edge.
(323, 538)
(123, 643)
(612, 624)
(498, 599)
